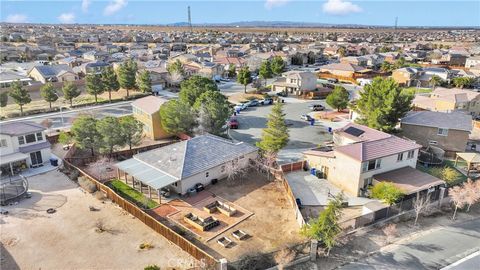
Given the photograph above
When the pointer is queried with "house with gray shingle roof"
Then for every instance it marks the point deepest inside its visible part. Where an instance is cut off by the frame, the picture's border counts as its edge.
(449, 131)
(181, 165)
(53, 73)
(360, 154)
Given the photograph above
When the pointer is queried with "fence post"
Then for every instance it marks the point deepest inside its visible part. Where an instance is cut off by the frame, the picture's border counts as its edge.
(442, 195)
(313, 250)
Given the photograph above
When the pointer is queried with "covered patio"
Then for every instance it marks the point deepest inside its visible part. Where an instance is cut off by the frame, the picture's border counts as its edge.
(13, 164)
(146, 176)
(473, 163)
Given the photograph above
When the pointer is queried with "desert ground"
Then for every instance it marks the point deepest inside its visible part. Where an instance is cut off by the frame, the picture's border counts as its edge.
(68, 238)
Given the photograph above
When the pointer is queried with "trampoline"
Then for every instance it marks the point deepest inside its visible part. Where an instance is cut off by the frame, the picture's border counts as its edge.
(11, 190)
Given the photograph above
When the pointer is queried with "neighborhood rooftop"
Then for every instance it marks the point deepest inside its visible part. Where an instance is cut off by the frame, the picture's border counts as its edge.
(453, 120)
(19, 128)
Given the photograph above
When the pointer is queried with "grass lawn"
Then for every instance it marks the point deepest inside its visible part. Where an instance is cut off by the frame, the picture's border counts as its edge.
(131, 194)
(415, 90)
(448, 163)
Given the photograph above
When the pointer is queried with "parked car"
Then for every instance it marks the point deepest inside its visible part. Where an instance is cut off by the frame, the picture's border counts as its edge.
(333, 80)
(306, 117)
(241, 106)
(316, 107)
(281, 94)
(253, 103)
(266, 101)
(232, 123)
(199, 187)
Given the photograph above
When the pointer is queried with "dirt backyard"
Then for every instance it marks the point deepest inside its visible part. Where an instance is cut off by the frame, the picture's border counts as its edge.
(69, 238)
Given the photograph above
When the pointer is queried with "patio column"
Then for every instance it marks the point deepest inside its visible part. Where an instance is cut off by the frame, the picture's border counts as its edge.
(125, 175)
(159, 196)
(11, 168)
(133, 182)
(118, 173)
(149, 192)
(456, 160)
(141, 190)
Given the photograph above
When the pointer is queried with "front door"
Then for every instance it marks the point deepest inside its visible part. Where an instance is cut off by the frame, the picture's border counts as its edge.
(36, 158)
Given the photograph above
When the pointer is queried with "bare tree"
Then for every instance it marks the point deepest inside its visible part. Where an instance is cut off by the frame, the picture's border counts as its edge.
(233, 169)
(284, 256)
(100, 168)
(176, 78)
(472, 193)
(420, 204)
(265, 162)
(457, 194)
(390, 231)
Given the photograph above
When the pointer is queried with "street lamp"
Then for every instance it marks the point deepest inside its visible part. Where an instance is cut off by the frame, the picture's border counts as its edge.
(61, 110)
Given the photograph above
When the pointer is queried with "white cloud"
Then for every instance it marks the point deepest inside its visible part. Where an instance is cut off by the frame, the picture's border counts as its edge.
(86, 5)
(16, 18)
(66, 17)
(340, 7)
(114, 6)
(269, 4)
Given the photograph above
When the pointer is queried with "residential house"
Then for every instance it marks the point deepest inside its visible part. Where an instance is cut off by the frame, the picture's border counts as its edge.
(472, 61)
(146, 110)
(53, 73)
(448, 100)
(23, 145)
(419, 77)
(158, 75)
(7, 77)
(448, 131)
(359, 154)
(295, 82)
(180, 166)
(346, 70)
(451, 59)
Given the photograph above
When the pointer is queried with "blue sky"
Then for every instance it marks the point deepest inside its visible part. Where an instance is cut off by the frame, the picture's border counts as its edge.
(371, 12)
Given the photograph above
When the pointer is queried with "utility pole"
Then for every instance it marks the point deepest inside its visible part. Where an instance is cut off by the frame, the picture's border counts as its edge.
(190, 20)
(396, 23)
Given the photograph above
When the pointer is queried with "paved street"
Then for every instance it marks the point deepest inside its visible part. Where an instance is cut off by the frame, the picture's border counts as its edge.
(433, 250)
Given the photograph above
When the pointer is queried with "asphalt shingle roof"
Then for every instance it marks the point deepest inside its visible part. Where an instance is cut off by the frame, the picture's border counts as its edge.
(453, 120)
(19, 128)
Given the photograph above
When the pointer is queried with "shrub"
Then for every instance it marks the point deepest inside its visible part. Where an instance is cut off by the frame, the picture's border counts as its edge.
(387, 192)
(390, 231)
(73, 175)
(284, 256)
(450, 175)
(152, 267)
(87, 185)
(145, 246)
(99, 195)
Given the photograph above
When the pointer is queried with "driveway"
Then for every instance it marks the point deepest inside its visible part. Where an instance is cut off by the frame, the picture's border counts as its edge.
(433, 250)
(302, 135)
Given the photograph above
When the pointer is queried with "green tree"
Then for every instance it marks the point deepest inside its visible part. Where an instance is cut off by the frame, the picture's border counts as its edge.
(94, 85)
(126, 75)
(144, 82)
(435, 81)
(232, 71)
(177, 117)
(213, 110)
(244, 77)
(176, 68)
(20, 95)
(132, 130)
(265, 71)
(49, 94)
(400, 63)
(447, 174)
(194, 87)
(64, 138)
(326, 227)
(338, 98)
(363, 51)
(386, 192)
(275, 135)
(278, 65)
(3, 99)
(111, 134)
(70, 91)
(110, 81)
(85, 134)
(342, 52)
(381, 104)
(386, 66)
(311, 58)
(463, 82)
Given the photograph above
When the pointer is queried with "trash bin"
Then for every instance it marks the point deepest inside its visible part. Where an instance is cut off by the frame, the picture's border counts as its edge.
(313, 171)
(54, 162)
(312, 122)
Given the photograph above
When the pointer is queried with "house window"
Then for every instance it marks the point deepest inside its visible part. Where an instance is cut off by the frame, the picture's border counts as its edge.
(206, 174)
(371, 165)
(400, 157)
(222, 169)
(21, 140)
(411, 154)
(29, 138)
(367, 182)
(39, 136)
(442, 132)
(3, 143)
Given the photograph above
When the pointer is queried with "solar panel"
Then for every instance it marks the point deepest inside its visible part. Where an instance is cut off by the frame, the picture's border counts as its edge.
(354, 131)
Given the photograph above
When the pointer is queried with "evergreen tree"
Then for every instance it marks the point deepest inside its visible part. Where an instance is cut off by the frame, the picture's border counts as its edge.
(342, 52)
(85, 134)
(213, 110)
(463, 82)
(177, 117)
(338, 98)
(111, 134)
(94, 85)
(3, 99)
(195, 86)
(244, 77)
(265, 71)
(435, 80)
(110, 81)
(131, 130)
(20, 95)
(126, 75)
(49, 94)
(176, 68)
(326, 227)
(275, 136)
(278, 65)
(70, 91)
(381, 104)
(232, 71)
(144, 82)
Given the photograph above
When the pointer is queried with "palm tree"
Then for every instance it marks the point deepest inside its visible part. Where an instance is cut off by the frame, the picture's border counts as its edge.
(435, 80)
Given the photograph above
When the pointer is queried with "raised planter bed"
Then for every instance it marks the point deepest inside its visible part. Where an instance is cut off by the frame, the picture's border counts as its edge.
(203, 224)
(223, 208)
(240, 235)
(224, 241)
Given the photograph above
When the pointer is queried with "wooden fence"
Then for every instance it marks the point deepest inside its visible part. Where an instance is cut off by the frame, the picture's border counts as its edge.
(148, 220)
(281, 176)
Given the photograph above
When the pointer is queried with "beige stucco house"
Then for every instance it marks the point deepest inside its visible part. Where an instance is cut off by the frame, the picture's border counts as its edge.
(295, 82)
(448, 100)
